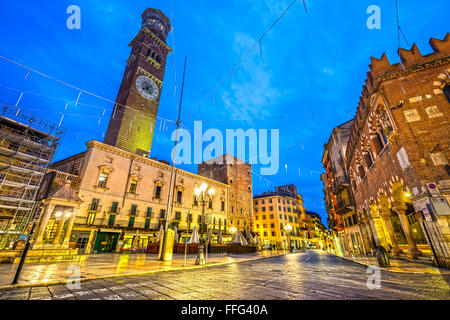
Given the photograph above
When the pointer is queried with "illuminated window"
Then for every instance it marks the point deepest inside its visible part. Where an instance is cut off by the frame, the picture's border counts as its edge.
(133, 186)
(90, 219)
(103, 179)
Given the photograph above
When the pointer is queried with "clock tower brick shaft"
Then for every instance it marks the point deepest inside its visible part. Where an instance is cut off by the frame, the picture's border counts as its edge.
(133, 119)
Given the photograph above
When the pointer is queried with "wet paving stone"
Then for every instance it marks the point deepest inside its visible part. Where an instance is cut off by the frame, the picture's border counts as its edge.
(309, 275)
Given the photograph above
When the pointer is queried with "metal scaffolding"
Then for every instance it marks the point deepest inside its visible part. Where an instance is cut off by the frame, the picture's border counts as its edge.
(27, 146)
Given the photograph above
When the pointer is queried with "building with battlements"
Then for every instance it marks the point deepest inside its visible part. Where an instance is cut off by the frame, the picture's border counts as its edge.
(238, 175)
(398, 153)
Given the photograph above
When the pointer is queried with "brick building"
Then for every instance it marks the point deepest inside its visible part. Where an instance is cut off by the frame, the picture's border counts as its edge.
(132, 122)
(238, 175)
(398, 153)
(113, 196)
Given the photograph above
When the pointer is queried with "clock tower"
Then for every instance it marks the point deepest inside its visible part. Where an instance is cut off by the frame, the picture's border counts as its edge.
(133, 119)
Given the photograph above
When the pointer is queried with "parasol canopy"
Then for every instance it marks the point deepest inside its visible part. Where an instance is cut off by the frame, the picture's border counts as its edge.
(248, 236)
(219, 237)
(194, 236)
(239, 238)
(159, 234)
(175, 234)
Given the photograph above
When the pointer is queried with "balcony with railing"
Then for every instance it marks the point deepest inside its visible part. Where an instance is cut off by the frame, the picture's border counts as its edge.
(339, 183)
(344, 205)
(106, 222)
(94, 207)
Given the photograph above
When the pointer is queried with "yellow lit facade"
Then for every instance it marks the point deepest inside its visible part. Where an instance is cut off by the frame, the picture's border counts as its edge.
(278, 220)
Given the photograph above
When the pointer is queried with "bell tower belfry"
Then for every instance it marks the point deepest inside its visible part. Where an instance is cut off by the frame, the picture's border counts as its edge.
(132, 122)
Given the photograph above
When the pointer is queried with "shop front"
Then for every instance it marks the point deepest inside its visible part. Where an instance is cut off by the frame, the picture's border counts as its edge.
(106, 242)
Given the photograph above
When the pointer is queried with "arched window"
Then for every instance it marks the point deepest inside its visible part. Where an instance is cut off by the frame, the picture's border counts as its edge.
(378, 142)
(446, 91)
(361, 172)
(368, 159)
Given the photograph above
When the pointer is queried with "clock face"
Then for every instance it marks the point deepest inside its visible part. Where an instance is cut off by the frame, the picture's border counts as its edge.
(147, 87)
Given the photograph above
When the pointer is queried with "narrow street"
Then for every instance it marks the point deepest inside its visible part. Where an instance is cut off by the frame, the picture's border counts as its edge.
(308, 275)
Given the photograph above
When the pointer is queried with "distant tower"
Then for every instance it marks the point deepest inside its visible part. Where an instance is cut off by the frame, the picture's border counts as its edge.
(131, 128)
(238, 175)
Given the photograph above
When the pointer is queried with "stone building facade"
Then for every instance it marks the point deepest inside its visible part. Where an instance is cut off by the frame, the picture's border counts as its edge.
(338, 195)
(123, 201)
(116, 197)
(238, 175)
(274, 212)
(398, 154)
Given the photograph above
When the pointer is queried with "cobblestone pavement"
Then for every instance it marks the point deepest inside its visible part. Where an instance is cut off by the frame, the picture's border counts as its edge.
(306, 275)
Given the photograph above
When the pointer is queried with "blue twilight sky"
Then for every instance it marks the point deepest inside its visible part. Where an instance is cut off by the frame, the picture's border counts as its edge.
(307, 80)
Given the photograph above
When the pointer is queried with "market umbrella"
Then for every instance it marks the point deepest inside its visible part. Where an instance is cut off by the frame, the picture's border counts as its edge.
(159, 234)
(175, 235)
(209, 235)
(248, 236)
(256, 240)
(219, 237)
(238, 238)
(194, 236)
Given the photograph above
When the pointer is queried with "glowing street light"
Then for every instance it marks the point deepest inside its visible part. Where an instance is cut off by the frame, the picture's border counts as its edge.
(203, 197)
(288, 229)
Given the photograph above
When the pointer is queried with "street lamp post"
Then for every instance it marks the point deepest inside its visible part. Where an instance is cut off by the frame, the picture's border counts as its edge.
(288, 229)
(203, 196)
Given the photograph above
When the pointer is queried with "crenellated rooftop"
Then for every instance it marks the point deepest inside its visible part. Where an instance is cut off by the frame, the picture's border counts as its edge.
(380, 68)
